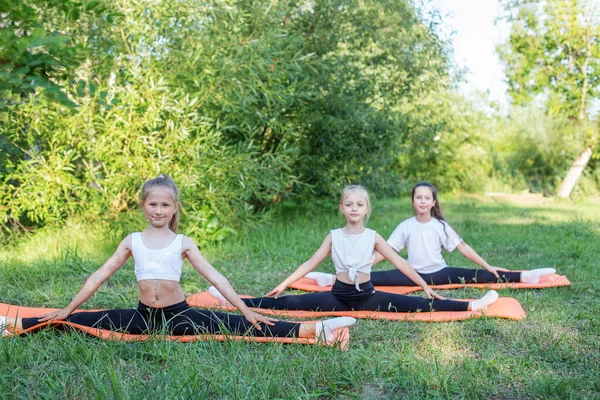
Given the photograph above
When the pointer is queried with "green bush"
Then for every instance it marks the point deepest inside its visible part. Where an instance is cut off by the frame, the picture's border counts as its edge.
(244, 103)
(537, 148)
(447, 143)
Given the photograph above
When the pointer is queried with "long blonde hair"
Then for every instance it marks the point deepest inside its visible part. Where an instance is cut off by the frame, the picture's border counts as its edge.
(348, 190)
(166, 182)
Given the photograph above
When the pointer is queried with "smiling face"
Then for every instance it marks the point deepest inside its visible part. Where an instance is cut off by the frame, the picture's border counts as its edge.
(159, 207)
(423, 201)
(355, 207)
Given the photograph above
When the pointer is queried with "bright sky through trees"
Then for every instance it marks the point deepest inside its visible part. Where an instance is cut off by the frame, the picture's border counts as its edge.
(472, 26)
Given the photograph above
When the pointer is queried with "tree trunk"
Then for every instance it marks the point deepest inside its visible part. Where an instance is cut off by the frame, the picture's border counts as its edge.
(575, 171)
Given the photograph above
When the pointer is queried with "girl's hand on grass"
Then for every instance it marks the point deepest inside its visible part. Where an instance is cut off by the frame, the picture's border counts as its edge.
(59, 315)
(256, 318)
(430, 293)
(494, 270)
(277, 291)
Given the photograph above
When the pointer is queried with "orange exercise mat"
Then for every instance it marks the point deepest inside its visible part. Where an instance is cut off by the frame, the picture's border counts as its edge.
(342, 336)
(553, 280)
(504, 307)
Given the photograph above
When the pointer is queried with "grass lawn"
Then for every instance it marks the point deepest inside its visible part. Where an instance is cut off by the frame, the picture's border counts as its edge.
(553, 353)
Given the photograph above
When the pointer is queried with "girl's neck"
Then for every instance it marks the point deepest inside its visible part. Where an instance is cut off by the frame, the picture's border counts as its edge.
(423, 218)
(158, 231)
(353, 229)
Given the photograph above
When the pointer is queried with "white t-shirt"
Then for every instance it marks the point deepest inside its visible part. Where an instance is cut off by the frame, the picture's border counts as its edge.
(424, 242)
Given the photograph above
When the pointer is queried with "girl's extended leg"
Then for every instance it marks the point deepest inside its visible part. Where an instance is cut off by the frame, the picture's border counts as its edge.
(391, 278)
(390, 302)
(469, 275)
(443, 277)
(324, 301)
(195, 321)
(122, 320)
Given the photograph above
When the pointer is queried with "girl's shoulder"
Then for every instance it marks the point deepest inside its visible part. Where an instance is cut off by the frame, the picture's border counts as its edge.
(408, 222)
(186, 240)
(129, 238)
(412, 224)
(127, 242)
(188, 245)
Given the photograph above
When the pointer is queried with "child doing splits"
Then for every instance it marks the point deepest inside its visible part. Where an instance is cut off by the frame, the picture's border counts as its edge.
(159, 253)
(353, 249)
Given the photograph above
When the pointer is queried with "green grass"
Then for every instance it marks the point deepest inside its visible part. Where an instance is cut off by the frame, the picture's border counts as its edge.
(553, 353)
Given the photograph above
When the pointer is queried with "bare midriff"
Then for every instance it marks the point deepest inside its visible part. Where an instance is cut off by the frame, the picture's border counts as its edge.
(362, 277)
(159, 293)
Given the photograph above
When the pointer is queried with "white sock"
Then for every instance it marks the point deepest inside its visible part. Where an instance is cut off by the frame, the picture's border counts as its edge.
(485, 301)
(322, 278)
(326, 328)
(533, 276)
(222, 300)
(3, 326)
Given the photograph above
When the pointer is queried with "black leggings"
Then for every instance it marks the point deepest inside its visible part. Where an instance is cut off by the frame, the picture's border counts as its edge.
(443, 277)
(345, 297)
(178, 319)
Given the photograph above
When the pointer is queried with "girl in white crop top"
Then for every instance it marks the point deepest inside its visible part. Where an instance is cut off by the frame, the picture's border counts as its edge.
(353, 250)
(159, 253)
(424, 236)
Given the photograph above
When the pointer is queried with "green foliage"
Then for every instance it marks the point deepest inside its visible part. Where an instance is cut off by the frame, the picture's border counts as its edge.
(244, 103)
(553, 50)
(552, 57)
(536, 147)
(447, 143)
(98, 156)
(36, 56)
(377, 56)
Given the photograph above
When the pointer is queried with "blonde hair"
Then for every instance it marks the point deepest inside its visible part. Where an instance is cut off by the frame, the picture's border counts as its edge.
(168, 183)
(348, 190)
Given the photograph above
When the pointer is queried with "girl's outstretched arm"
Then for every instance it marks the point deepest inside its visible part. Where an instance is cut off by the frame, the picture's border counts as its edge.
(305, 267)
(95, 280)
(472, 255)
(192, 253)
(388, 252)
(378, 258)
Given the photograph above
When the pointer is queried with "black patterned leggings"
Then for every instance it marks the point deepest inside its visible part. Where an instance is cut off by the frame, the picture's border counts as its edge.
(178, 319)
(443, 277)
(344, 297)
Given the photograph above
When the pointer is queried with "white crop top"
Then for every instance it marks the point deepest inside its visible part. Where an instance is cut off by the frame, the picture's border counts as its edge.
(353, 253)
(157, 264)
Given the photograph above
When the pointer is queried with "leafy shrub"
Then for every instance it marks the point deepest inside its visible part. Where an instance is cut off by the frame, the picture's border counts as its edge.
(537, 147)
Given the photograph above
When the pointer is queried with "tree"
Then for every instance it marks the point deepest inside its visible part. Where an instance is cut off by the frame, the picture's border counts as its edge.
(37, 56)
(243, 102)
(553, 54)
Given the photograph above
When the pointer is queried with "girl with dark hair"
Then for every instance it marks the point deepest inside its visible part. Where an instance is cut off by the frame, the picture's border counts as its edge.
(424, 236)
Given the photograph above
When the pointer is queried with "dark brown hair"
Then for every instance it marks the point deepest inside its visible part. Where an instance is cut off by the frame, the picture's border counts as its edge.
(436, 210)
